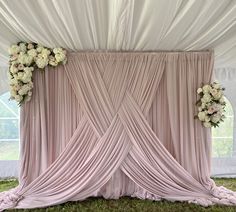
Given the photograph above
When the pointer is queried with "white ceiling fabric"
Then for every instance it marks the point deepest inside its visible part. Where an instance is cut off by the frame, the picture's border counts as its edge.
(122, 25)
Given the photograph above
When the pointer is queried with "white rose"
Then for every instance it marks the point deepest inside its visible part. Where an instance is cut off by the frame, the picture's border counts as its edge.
(52, 61)
(206, 88)
(21, 92)
(60, 57)
(201, 116)
(13, 69)
(13, 57)
(218, 95)
(199, 90)
(216, 118)
(21, 67)
(222, 99)
(213, 91)
(216, 85)
(206, 98)
(14, 49)
(207, 124)
(211, 109)
(30, 46)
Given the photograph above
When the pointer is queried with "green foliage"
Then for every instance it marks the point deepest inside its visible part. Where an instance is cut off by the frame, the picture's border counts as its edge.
(129, 204)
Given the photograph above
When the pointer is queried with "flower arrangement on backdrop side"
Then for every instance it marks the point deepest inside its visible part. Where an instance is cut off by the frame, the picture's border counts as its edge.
(211, 105)
(24, 58)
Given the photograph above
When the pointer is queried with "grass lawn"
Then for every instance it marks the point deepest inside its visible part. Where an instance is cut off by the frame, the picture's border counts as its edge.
(127, 204)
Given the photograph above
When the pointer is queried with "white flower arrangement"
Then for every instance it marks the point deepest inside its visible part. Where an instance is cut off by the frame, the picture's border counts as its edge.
(211, 105)
(24, 58)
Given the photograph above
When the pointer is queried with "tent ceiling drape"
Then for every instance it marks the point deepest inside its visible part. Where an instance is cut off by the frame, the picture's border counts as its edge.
(122, 25)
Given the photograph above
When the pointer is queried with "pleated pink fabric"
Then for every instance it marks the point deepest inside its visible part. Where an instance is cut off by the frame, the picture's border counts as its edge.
(114, 124)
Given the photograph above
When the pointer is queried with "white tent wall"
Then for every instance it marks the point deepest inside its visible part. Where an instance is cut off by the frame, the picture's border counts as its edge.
(226, 167)
(137, 25)
(126, 25)
(4, 87)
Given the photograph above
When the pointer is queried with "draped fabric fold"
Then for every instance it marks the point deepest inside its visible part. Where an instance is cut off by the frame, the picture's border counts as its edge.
(113, 124)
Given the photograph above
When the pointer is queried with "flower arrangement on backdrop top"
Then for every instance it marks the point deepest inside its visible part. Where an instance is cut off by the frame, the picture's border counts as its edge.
(24, 59)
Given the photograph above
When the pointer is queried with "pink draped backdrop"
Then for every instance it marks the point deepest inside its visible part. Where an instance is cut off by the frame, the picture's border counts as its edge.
(117, 124)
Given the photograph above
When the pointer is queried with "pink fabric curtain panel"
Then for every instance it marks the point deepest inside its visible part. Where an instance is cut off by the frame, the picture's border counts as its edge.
(117, 124)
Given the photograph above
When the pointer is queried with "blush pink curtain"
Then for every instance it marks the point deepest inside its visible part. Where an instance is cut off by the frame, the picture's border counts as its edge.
(113, 124)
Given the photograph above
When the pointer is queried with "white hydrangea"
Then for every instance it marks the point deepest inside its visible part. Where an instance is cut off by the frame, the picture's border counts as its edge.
(206, 88)
(45, 52)
(23, 58)
(22, 47)
(32, 52)
(24, 89)
(201, 116)
(206, 98)
(41, 62)
(60, 57)
(39, 49)
(57, 50)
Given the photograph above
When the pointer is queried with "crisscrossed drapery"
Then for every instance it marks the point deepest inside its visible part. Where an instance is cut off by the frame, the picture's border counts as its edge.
(113, 135)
